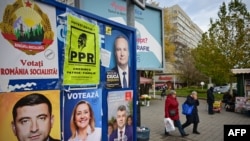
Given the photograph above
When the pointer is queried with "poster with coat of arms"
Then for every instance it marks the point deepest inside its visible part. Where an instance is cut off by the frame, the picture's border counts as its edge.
(28, 48)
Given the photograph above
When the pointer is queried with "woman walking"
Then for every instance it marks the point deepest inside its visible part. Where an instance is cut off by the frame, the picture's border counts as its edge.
(194, 117)
(172, 112)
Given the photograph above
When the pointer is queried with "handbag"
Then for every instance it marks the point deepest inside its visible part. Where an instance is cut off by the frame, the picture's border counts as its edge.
(187, 109)
(172, 113)
(169, 124)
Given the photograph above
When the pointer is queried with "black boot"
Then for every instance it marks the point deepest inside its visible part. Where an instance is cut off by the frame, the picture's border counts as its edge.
(184, 135)
(195, 129)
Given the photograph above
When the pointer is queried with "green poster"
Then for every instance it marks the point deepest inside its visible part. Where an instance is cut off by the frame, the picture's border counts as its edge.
(82, 52)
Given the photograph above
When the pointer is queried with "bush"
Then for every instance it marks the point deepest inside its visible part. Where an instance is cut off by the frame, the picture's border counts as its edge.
(202, 93)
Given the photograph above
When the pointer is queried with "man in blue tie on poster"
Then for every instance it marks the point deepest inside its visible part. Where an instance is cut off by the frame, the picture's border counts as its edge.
(124, 132)
(120, 73)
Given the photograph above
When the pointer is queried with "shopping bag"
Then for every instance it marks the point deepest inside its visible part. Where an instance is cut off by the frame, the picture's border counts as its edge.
(169, 124)
(187, 109)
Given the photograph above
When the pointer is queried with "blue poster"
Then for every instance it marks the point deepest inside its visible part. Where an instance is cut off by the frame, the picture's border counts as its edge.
(119, 44)
(82, 115)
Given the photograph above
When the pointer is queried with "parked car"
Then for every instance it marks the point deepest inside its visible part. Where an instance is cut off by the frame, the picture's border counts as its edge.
(224, 88)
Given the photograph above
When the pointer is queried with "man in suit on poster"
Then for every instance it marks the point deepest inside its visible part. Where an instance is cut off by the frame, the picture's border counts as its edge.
(124, 132)
(32, 118)
(121, 70)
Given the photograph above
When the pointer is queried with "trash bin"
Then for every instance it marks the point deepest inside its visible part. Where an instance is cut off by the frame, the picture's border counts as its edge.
(143, 134)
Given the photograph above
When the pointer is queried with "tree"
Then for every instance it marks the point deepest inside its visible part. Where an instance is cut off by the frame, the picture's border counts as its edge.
(189, 74)
(169, 29)
(144, 88)
(226, 44)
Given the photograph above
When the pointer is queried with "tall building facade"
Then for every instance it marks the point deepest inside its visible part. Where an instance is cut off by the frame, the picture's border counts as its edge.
(187, 35)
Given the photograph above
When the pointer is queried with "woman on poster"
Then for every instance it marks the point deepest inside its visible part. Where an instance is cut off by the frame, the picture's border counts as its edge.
(82, 123)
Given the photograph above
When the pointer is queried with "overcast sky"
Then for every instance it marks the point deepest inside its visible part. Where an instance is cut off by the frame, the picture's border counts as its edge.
(200, 11)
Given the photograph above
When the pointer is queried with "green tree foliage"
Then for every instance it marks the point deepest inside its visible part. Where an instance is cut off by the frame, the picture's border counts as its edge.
(226, 45)
(189, 74)
(169, 29)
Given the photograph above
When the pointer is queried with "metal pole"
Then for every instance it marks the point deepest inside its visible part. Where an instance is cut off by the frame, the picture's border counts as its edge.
(154, 83)
(131, 23)
(130, 13)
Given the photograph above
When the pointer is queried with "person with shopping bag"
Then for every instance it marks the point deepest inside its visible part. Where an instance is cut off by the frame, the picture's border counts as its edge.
(192, 100)
(169, 125)
(172, 112)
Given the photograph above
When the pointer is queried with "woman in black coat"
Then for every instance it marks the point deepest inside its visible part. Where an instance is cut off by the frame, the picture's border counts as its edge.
(194, 117)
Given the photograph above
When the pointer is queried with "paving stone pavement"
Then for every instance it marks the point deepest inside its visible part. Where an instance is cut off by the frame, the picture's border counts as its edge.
(211, 127)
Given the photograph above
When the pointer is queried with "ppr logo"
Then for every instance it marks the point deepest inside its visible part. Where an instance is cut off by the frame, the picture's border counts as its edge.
(241, 132)
(82, 49)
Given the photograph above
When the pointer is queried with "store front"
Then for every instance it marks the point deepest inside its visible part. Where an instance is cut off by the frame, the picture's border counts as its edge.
(242, 100)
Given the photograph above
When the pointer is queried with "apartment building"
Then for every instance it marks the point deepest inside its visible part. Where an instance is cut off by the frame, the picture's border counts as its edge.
(187, 35)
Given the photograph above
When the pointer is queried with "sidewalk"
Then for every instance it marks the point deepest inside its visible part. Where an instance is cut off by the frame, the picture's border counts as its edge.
(211, 126)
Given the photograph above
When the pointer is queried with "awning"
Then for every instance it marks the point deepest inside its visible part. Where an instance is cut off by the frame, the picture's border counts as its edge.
(144, 80)
(160, 84)
(167, 78)
(240, 71)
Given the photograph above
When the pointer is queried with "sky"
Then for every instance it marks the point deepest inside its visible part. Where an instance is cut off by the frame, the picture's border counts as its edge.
(199, 11)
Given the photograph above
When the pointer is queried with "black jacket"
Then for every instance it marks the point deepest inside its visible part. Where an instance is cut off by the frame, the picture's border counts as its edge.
(210, 95)
(194, 117)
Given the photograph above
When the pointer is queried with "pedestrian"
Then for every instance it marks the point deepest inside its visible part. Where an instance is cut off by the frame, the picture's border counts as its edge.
(172, 112)
(210, 100)
(163, 93)
(192, 100)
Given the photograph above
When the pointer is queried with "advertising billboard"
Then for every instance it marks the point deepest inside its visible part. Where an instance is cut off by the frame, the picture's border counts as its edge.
(149, 27)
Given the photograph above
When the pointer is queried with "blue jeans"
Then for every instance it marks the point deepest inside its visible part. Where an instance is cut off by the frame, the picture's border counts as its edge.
(177, 123)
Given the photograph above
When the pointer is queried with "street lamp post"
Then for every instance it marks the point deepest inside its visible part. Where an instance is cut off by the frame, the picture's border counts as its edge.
(202, 84)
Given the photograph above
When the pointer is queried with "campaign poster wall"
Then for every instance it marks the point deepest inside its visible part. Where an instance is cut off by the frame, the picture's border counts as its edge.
(149, 25)
(7, 102)
(82, 107)
(28, 49)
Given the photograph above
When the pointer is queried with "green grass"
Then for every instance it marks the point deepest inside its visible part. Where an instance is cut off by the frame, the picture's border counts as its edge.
(202, 93)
